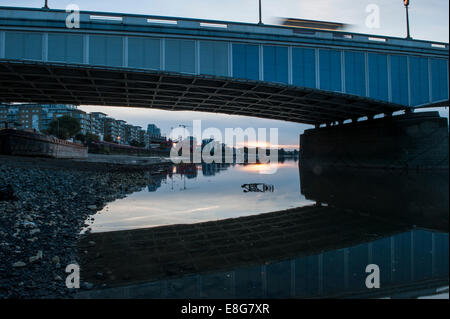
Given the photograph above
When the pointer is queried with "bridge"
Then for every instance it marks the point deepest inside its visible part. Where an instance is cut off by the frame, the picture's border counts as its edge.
(277, 72)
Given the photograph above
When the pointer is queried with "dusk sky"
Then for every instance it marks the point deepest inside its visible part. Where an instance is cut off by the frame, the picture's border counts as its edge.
(429, 20)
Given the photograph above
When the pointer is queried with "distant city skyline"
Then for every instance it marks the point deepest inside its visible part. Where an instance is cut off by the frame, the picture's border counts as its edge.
(165, 120)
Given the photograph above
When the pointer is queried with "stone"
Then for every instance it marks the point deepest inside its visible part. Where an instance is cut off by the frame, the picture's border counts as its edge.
(19, 264)
(38, 256)
(29, 224)
(35, 231)
(87, 285)
(7, 193)
(92, 207)
(32, 259)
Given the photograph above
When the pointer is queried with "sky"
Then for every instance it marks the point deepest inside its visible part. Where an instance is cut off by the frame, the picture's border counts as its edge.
(429, 20)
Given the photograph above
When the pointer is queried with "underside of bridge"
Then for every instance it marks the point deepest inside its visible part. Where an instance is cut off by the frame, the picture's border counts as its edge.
(32, 82)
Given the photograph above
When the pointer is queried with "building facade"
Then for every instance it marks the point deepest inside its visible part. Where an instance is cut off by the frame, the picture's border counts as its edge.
(37, 117)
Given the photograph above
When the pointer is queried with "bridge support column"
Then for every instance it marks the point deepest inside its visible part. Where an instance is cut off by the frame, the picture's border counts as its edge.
(413, 140)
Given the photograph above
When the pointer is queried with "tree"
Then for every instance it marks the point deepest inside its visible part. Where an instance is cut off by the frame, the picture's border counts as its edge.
(87, 138)
(90, 137)
(80, 137)
(64, 127)
(136, 143)
(108, 138)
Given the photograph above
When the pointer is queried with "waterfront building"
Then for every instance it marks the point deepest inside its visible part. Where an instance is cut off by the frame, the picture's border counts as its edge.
(143, 138)
(121, 131)
(38, 117)
(111, 128)
(96, 120)
(153, 131)
(131, 133)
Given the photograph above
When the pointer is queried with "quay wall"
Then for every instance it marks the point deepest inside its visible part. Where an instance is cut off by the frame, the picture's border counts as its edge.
(23, 143)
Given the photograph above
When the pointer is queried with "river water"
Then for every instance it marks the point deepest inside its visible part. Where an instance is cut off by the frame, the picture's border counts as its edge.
(152, 243)
(203, 192)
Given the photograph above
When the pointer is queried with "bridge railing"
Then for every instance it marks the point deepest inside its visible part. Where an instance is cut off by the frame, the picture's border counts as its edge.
(187, 23)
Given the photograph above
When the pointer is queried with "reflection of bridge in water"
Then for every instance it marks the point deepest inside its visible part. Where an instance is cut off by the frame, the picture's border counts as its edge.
(314, 251)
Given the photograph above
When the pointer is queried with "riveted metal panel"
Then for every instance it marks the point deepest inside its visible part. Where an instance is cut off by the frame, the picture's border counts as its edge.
(23, 45)
(333, 267)
(419, 80)
(355, 73)
(378, 76)
(441, 248)
(330, 70)
(180, 56)
(422, 254)
(246, 61)
(214, 58)
(2, 44)
(382, 256)
(144, 53)
(66, 48)
(304, 67)
(276, 64)
(358, 259)
(399, 79)
(106, 50)
(439, 79)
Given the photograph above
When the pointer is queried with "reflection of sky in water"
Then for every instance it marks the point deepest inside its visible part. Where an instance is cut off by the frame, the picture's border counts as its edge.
(203, 198)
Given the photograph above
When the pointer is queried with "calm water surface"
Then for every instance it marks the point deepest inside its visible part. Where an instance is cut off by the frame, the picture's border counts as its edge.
(408, 240)
(203, 193)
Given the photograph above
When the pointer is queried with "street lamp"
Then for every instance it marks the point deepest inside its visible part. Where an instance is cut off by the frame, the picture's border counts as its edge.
(406, 3)
(260, 13)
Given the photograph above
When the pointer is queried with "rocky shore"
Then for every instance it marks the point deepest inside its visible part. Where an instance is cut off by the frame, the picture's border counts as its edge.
(40, 227)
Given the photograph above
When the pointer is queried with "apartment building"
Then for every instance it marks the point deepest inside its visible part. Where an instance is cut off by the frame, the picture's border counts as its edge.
(38, 117)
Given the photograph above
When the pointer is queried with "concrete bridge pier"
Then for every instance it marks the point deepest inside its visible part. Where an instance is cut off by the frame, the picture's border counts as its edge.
(408, 141)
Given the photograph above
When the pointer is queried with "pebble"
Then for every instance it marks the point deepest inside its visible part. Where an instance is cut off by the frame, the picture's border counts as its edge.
(35, 231)
(19, 264)
(87, 285)
(38, 256)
